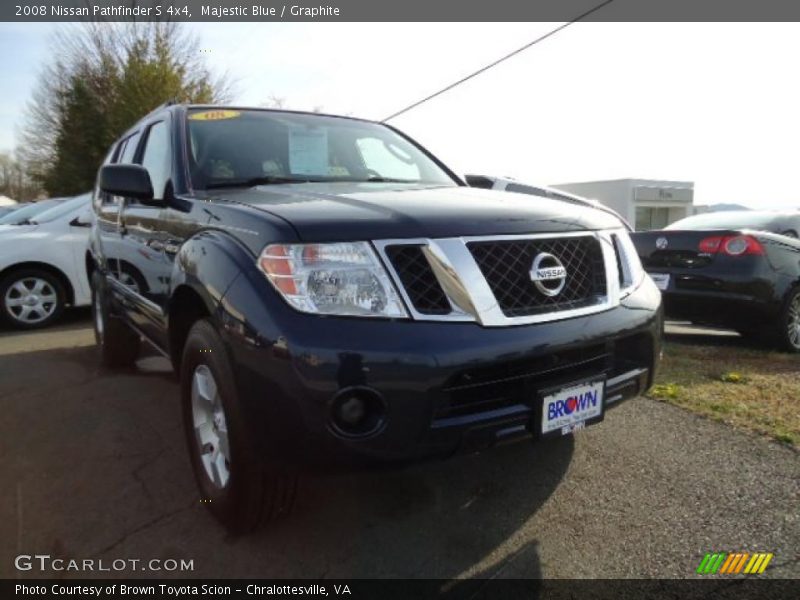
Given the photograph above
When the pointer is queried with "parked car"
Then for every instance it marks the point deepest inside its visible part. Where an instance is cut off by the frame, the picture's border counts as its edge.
(728, 270)
(327, 290)
(507, 184)
(42, 263)
(4, 210)
(785, 222)
(26, 211)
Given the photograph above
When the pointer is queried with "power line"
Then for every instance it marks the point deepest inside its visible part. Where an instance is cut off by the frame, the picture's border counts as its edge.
(499, 60)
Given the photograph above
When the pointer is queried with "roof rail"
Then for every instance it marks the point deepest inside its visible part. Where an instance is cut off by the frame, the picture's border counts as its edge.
(170, 102)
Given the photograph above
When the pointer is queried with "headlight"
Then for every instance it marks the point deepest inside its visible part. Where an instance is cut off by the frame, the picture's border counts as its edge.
(332, 279)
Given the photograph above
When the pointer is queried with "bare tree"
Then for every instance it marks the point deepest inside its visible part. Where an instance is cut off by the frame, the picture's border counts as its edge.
(103, 78)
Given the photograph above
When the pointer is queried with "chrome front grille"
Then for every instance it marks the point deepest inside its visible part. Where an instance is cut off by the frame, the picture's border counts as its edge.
(418, 280)
(488, 280)
(506, 265)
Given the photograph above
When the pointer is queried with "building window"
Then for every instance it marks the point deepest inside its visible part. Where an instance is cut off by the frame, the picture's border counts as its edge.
(651, 217)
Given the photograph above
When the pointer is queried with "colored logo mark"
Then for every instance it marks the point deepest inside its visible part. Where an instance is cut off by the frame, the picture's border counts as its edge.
(722, 563)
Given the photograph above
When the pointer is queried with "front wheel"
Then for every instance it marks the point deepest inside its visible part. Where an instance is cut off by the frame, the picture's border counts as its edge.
(31, 298)
(237, 484)
(118, 344)
(788, 324)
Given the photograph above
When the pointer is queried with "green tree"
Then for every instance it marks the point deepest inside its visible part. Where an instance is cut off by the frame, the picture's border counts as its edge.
(106, 77)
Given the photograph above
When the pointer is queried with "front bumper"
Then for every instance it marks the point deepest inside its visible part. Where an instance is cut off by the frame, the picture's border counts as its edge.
(446, 387)
(736, 302)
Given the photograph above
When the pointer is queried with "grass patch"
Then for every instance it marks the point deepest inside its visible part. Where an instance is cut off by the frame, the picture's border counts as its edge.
(749, 388)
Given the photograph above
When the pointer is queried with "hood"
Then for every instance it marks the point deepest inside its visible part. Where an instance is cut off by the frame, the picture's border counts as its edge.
(7, 231)
(365, 211)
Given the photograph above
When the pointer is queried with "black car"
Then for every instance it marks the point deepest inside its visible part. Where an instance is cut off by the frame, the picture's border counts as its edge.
(737, 270)
(329, 291)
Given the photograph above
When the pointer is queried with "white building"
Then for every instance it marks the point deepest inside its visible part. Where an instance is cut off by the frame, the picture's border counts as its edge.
(645, 203)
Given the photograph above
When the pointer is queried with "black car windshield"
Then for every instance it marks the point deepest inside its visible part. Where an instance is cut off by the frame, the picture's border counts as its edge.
(252, 147)
(746, 219)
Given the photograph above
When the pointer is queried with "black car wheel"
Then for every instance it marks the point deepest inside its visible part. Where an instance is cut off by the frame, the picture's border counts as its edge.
(31, 298)
(788, 327)
(240, 487)
(118, 344)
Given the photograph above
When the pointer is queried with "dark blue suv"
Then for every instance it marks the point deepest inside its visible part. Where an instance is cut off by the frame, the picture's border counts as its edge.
(328, 290)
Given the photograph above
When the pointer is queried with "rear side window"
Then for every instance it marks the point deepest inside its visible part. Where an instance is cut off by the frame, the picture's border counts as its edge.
(156, 157)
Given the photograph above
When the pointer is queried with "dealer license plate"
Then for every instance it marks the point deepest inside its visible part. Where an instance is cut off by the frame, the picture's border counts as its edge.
(661, 280)
(573, 407)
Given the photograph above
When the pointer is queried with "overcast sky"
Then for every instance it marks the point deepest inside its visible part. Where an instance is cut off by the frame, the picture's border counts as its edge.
(716, 104)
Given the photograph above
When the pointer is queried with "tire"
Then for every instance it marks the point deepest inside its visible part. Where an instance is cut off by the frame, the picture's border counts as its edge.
(238, 485)
(31, 298)
(787, 326)
(117, 343)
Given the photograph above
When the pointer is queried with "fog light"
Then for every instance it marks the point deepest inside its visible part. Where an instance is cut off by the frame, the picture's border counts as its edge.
(357, 412)
(352, 411)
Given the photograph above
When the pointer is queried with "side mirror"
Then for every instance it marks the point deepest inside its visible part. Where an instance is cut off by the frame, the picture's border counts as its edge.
(128, 181)
(82, 220)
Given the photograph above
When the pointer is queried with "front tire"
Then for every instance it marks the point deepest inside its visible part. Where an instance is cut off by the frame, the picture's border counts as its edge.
(118, 344)
(31, 298)
(787, 327)
(240, 488)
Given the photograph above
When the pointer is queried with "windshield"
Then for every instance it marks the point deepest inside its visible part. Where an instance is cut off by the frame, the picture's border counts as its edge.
(727, 220)
(21, 215)
(250, 147)
(61, 209)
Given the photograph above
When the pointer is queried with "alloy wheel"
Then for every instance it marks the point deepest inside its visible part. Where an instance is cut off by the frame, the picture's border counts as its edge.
(210, 426)
(793, 322)
(31, 300)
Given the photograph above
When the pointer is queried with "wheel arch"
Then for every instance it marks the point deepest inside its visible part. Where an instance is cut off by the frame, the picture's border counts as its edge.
(198, 284)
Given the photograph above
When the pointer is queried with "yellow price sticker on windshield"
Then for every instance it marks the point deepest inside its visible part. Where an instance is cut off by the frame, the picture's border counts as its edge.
(214, 115)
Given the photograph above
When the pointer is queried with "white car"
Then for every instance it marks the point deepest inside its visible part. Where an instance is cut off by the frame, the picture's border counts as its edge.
(508, 184)
(43, 264)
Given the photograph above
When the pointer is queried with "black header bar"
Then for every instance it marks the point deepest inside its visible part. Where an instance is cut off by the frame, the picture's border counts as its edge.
(398, 11)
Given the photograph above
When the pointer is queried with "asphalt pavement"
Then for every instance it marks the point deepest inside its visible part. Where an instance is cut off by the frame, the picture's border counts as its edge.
(94, 466)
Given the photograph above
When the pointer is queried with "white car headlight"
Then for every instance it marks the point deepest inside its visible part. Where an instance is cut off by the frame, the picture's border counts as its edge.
(332, 279)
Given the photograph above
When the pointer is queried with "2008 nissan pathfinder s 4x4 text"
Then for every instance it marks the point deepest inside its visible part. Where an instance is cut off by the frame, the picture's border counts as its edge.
(325, 287)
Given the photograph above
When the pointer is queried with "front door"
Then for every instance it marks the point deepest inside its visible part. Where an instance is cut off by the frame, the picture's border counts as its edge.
(145, 258)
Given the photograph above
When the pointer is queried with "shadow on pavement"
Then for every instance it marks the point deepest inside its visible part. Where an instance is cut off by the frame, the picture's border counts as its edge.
(100, 470)
(71, 319)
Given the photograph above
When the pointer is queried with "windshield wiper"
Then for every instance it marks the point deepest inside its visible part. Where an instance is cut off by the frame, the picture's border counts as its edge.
(254, 181)
(389, 180)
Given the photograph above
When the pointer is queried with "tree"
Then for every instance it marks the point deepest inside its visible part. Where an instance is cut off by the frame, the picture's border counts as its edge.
(14, 181)
(106, 76)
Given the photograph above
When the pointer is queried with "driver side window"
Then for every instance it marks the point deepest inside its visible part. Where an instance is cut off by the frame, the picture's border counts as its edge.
(156, 157)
